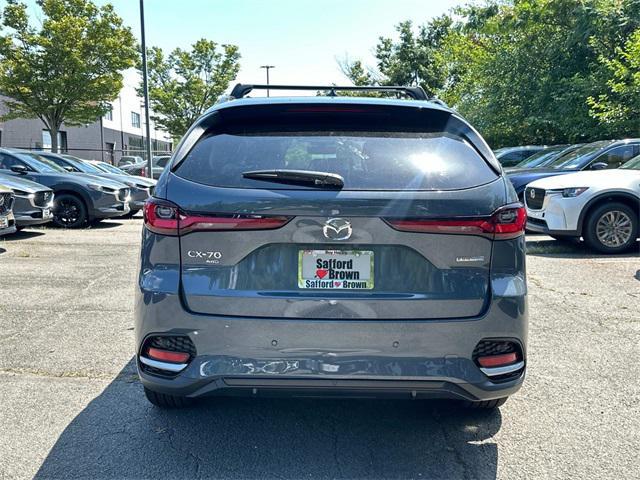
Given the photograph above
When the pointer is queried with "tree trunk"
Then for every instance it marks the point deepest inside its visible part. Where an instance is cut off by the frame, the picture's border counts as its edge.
(53, 131)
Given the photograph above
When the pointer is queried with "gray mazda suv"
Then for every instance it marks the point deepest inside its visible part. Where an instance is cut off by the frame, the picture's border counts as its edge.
(332, 245)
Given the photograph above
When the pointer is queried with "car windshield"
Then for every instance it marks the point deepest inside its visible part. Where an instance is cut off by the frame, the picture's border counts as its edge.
(539, 158)
(110, 168)
(633, 164)
(578, 157)
(39, 163)
(82, 166)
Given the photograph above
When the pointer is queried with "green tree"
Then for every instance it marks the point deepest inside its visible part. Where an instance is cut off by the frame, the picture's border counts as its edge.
(621, 104)
(412, 60)
(184, 84)
(68, 69)
(522, 71)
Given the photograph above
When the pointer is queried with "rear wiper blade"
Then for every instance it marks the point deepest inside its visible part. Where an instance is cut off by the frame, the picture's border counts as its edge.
(317, 179)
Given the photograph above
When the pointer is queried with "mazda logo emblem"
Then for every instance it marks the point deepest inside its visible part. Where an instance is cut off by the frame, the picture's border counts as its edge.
(532, 193)
(337, 229)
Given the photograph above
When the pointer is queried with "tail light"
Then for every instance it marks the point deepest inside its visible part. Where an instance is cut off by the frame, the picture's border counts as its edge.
(505, 223)
(166, 218)
(143, 172)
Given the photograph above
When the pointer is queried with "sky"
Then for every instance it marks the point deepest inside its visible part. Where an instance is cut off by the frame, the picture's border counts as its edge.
(302, 38)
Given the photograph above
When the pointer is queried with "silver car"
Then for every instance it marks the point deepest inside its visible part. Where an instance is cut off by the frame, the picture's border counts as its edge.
(322, 246)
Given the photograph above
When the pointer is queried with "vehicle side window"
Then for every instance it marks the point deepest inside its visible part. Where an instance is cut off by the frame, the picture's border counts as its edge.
(616, 156)
(61, 163)
(7, 161)
(162, 162)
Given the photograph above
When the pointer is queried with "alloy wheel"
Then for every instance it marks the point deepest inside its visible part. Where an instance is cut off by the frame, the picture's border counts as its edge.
(68, 212)
(614, 228)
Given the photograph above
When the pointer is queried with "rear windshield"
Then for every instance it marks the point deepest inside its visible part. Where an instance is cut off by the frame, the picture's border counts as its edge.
(366, 160)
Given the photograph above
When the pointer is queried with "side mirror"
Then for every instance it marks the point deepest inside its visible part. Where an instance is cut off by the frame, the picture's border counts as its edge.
(598, 166)
(21, 169)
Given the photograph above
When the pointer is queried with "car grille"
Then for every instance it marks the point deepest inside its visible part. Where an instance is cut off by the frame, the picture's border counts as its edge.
(536, 201)
(122, 194)
(6, 202)
(42, 199)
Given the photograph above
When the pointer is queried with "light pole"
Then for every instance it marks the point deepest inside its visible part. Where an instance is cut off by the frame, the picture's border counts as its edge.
(145, 87)
(267, 68)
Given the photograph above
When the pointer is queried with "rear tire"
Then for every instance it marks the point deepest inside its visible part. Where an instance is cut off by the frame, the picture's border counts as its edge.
(486, 404)
(70, 212)
(163, 400)
(611, 228)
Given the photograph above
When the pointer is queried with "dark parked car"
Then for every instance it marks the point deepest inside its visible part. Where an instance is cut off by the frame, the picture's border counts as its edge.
(543, 157)
(332, 245)
(159, 163)
(33, 202)
(592, 156)
(510, 156)
(140, 187)
(7, 222)
(79, 198)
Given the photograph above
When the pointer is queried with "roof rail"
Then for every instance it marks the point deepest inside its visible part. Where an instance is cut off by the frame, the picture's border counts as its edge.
(417, 93)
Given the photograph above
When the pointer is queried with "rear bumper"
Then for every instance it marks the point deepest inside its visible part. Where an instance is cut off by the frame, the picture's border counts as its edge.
(261, 356)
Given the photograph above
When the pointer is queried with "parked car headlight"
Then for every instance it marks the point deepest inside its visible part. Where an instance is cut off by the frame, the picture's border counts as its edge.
(20, 193)
(573, 192)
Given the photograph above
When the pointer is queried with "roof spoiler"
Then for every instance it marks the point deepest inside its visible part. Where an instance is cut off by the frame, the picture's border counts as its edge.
(417, 93)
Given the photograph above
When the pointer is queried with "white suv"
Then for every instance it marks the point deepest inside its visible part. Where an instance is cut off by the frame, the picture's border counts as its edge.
(600, 206)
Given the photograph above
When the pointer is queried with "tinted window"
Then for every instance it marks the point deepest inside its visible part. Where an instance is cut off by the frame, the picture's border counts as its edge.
(7, 161)
(40, 163)
(633, 164)
(162, 161)
(616, 156)
(578, 157)
(366, 161)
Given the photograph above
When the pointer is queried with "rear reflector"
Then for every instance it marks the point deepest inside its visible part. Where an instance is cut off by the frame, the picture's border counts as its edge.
(167, 356)
(506, 222)
(166, 218)
(497, 360)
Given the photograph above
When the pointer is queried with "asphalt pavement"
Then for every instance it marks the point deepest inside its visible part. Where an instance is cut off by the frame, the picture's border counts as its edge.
(71, 405)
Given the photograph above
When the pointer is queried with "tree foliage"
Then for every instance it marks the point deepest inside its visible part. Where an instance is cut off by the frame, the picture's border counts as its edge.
(413, 60)
(525, 71)
(621, 104)
(69, 69)
(185, 83)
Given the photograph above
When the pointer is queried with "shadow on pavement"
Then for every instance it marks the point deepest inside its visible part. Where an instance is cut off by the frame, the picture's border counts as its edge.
(23, 235)
(570, 248)
(120, 435)
(104, 224)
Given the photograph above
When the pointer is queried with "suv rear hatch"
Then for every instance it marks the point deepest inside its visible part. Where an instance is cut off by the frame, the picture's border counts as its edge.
(408, 235)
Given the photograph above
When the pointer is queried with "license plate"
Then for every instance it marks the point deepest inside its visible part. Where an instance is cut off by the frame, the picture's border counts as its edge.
(335, 269)
(4, 222)
(46, 213)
